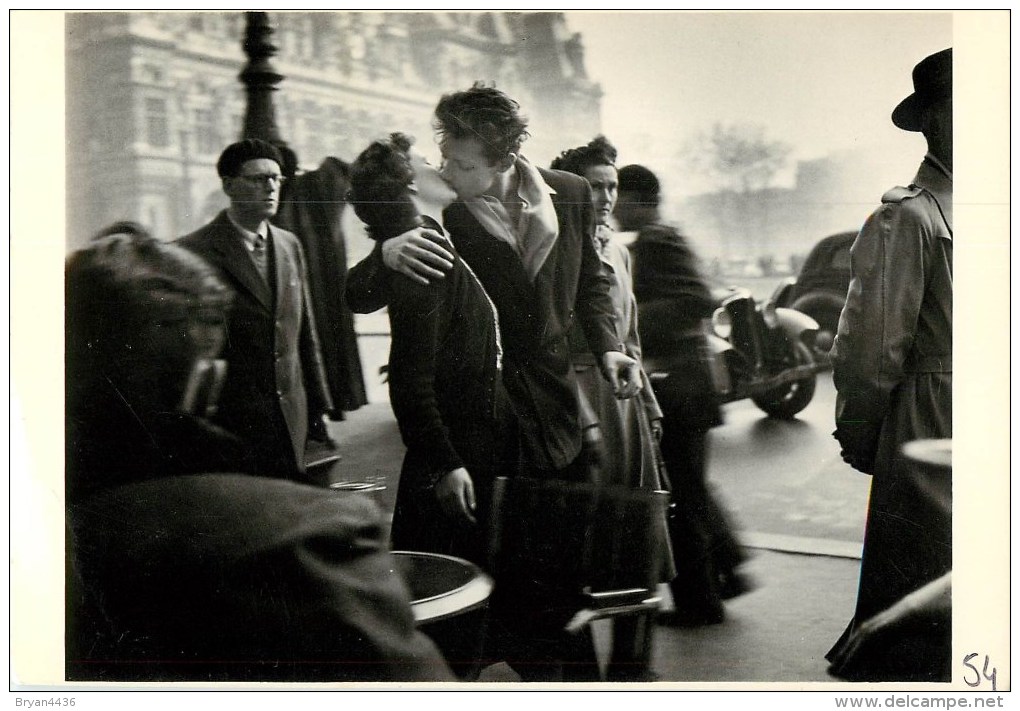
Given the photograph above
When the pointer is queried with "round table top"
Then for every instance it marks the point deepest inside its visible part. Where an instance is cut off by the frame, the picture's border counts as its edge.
(442, 586)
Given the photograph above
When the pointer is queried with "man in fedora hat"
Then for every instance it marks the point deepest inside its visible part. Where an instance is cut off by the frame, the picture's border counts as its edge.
(892, 366)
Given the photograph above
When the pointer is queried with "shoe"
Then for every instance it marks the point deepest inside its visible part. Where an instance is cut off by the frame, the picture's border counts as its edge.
(734, 584)
(691, 617)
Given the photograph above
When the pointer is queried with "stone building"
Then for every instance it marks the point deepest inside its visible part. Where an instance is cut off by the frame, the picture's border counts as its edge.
(152, 97)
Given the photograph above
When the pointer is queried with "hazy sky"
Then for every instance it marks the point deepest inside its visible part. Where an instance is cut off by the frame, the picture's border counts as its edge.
(821, 82)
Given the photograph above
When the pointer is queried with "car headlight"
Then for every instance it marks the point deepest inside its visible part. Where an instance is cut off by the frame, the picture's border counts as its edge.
(768, 312)
(722, 324)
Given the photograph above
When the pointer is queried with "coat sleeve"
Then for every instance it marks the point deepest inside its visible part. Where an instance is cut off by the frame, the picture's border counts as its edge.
(367, 283)
(415, 313)
(632, 346)
(877, 326)
(648, 399)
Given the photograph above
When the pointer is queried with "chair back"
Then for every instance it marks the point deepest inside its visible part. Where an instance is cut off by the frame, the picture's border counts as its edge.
(577, 537)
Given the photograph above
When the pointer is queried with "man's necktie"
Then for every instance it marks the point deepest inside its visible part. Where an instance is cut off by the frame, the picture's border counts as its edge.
(258, 253)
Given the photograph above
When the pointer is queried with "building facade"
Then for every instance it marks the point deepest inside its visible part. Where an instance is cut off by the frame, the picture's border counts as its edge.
(153, 97)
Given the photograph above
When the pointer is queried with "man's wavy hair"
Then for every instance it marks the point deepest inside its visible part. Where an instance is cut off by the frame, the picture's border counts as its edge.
(599, 151)
(485, 113)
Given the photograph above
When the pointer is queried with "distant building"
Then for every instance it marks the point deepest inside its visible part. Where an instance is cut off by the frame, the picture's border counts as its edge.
(152, 97)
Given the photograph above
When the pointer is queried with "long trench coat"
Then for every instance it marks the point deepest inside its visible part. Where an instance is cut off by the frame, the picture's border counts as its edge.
(311, 206)
(625, 424)
(630, 455)
(892, 366)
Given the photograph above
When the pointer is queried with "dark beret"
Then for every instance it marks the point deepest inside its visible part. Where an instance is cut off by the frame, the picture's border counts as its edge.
(237, 154)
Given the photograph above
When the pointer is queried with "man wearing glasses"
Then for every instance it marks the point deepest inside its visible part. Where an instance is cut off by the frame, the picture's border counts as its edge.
(275, 387)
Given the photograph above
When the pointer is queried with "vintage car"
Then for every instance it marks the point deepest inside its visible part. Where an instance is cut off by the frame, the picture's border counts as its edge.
(751, 350)
(760, 351)
(819, 290)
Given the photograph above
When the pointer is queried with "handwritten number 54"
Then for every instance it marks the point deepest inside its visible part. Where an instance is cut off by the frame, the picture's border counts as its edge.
(979, 675)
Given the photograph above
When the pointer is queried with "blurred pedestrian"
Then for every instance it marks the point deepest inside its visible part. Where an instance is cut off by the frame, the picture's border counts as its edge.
(673, 297)
(527, 233)
(892, 356)
(181, 565)
(312, 204)
(275, 393)
(628, 430)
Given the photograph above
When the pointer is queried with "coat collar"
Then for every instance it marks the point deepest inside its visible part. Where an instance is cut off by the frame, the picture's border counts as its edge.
(538, 218)
(228, 243)
(937, 180)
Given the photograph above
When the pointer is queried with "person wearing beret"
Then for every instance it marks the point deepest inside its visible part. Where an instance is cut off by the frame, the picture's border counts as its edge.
(181, 565)
(275, 392)
(893, 366)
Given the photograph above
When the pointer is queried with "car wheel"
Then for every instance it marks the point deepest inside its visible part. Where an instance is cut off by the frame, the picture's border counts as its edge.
(827, 317)
(827, 324)
(786, 401)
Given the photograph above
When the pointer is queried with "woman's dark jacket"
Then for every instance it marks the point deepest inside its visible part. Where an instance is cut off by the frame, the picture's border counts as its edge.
(443, 372)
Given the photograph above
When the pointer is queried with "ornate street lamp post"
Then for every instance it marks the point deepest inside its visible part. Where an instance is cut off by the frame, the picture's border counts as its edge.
(260, 80)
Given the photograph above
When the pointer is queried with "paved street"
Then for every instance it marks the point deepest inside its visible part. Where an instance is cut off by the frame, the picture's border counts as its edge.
(785, 479)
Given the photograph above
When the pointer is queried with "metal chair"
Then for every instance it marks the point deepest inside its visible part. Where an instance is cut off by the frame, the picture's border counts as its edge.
(573, 553)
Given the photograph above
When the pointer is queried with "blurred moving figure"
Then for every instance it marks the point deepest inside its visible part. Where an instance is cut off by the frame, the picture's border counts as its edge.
(275, 393)
(892, 359)
(311, 206)
(627, 451)
(181, 565)
(673, 298)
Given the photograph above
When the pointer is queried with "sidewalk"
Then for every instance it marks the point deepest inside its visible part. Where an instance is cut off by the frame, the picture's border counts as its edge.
(779, 632)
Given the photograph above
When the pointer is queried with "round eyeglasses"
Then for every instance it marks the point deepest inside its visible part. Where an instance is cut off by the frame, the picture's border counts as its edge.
(263, 178)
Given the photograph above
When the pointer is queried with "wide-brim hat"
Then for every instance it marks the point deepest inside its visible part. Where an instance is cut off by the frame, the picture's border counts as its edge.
(933, 81)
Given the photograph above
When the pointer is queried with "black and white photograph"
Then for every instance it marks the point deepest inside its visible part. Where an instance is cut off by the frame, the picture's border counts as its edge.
(502, 351)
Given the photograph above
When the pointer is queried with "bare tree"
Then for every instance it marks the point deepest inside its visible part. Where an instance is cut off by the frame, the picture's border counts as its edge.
(736, 162)
(736, 157)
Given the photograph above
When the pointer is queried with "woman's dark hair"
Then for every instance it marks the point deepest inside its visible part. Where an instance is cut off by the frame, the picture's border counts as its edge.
(599, 151)
(485, 113)
(380, 192)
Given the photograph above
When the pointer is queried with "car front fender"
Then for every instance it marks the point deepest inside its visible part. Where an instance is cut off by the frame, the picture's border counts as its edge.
(796, 325)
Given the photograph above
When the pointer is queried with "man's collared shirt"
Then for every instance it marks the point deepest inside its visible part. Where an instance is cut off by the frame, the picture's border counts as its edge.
(537, 227)
(255, 243)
